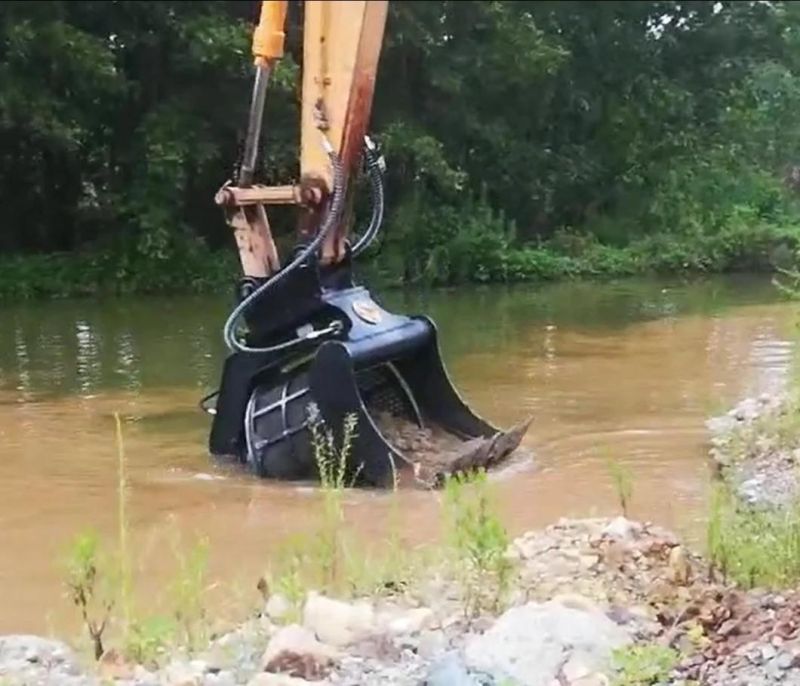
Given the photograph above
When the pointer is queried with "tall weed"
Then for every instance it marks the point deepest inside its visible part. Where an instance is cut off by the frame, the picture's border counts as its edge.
(101, 583)
(479, 543)
(753, 547)
(622, 479)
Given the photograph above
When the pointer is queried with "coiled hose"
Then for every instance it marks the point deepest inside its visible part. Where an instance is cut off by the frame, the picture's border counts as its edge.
(333, 214)
(375, 168)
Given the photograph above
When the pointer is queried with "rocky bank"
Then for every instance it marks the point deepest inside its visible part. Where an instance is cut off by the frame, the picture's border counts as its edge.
(756, 447)
(583, 591)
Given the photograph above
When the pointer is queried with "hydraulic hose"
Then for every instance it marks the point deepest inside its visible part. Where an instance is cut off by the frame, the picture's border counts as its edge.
(375, 168)
(331, 217)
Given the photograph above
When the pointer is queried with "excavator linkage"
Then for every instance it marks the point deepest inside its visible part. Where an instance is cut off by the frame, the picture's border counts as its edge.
(319, 352)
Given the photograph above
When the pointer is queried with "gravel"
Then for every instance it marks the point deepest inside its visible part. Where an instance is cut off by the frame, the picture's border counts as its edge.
(759, 463)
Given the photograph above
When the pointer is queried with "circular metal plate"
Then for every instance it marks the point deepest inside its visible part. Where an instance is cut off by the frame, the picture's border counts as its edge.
(367, 311)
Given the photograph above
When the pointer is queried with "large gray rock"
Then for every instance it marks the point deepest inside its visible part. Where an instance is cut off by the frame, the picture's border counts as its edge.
(623, 529)
(449, 671)
(336, 622)
(35, 650)
(401, 622)
(529, 645)
(33, 660)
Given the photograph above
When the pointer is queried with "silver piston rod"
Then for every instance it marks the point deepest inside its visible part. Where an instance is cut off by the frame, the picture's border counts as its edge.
(248, 167)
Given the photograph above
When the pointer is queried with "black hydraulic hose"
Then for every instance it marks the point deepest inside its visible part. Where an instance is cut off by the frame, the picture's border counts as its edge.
(377, 191)
(333, 214)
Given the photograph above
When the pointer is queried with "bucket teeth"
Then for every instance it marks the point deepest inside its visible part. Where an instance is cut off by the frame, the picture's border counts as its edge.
(474, 454)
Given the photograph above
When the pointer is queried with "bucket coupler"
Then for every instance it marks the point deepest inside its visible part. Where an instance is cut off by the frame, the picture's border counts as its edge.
(383, 369)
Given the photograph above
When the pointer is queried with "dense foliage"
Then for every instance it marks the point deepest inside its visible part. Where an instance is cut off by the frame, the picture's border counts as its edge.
(525, 139)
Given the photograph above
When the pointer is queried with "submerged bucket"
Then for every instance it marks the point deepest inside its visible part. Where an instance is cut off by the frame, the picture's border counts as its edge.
(386, 371)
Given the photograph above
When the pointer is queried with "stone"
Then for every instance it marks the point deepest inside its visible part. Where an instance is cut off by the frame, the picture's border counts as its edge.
(409, 622)
(223, 678)
(449, 671)
(679, 568)
(768, 652)
(622, 529)
(336, 622)
(529, 644)
(431, 643)
(576, 668)
(589, 561)
(277, 607)
(141, 673)
(378, 647)
(113, 665)
(36, 650)
(267, 679)
(179, 673)
(576, 602)
(754, 656)
(296, 651)
(614, 555)
(721, 425)
(595, 679)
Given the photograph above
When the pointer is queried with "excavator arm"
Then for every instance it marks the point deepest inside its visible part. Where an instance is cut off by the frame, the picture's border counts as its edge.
(341, 48)
(318, 347)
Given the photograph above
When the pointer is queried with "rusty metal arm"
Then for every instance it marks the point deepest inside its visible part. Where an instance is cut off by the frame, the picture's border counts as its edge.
(257, 194)
(342, 42)
(257, 251)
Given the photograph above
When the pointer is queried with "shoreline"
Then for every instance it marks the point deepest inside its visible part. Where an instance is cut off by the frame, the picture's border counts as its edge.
(92, 273)
(756, 449)
(592, 601)
(587, 602)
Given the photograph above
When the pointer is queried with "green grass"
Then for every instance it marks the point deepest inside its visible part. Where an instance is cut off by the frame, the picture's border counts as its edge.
(643, 665)
(331, 558)
(88, 589)
(622, 478)
(125, 574)
(755, 548)
(100, 583)
(478, 542)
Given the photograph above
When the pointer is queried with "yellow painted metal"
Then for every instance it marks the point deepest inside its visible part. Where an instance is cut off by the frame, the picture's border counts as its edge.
(269, 35)
(341, 51)
(340, 57)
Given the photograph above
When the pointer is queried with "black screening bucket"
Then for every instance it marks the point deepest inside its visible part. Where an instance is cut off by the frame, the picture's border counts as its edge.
(383, 369)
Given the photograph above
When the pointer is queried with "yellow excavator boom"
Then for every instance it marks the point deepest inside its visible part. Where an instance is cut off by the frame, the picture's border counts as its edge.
(342, 41)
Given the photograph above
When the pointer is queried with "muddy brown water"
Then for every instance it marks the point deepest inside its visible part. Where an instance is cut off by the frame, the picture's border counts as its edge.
(628, 370)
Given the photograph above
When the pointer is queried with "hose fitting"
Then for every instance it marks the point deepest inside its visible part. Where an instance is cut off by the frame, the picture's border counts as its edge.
(331, 218)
